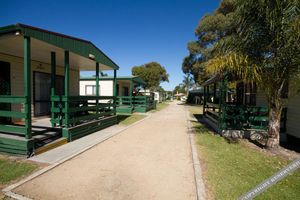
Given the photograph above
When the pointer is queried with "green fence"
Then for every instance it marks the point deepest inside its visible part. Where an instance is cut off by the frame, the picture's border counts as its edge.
(73, 110)
(7, 115)
(248, 117)
(124, 101)
(143, 103)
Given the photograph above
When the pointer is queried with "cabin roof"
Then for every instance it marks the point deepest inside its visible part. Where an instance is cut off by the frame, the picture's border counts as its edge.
(78, 46)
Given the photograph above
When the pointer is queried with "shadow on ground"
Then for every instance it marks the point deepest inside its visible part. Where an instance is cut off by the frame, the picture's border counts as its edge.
(121, 118)
(289, 142)
(204, 128)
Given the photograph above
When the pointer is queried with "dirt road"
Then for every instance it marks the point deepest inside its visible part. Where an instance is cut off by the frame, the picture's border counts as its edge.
(151, 160)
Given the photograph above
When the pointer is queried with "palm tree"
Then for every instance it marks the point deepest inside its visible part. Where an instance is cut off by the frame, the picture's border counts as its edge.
(187, 82)
(265, 50)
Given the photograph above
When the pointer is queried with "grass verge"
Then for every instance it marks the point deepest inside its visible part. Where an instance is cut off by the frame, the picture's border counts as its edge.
(161, 106)
(12, 170)
(129, 119)
(230, 170)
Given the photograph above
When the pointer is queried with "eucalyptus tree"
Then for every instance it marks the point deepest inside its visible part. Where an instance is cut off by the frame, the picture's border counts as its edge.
(153, 74)
(212, 32)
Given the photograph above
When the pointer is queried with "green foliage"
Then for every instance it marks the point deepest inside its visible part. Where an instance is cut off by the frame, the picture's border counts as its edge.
(179, 89)
(152, 73)
(187, 83)
(160, 89)
(270, 36)
(212, 32)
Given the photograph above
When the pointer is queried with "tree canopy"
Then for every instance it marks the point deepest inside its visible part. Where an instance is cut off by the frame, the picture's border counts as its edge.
(179, 89)
(152, 73)
(212, 33)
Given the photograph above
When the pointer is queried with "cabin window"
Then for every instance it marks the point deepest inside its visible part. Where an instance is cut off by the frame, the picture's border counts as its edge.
(250, 90)
(90, 90)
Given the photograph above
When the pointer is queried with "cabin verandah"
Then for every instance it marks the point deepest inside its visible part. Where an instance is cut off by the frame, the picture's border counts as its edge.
(42, 71)
(230, 104)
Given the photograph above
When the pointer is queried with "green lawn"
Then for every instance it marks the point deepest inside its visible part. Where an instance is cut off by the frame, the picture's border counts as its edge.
(231, 170)
(11, 170)
(129, 119)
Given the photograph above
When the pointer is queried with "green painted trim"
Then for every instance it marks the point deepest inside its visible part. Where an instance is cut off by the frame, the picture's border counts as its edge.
(67, 87)
(97, 86)
(53, 84)
(125, 110)
(131, 90)
(115, 91)
(19, 130)
(79, 46)
(4, 113)
(12, 99)
(27, 85)
(88, 128)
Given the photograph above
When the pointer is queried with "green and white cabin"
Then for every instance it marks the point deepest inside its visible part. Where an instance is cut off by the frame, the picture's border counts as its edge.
(39, 88)
(129, 97)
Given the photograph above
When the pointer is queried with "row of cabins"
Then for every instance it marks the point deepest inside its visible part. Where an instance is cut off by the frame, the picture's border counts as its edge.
(230, 104)
(40, 77)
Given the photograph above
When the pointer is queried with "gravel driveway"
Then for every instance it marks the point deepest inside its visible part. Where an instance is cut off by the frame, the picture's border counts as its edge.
(151, 160)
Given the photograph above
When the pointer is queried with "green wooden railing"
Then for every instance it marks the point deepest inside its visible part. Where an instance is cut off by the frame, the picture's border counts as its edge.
(248, 117)
(8, 99)
(144, 101)
(74, 110)
(136, 101)
(124, 101)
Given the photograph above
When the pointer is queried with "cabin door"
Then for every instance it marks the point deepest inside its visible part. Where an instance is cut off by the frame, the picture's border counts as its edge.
(42, 92)
(5, 88)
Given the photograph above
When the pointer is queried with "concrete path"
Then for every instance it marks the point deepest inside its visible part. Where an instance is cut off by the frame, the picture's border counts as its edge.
(77, 146)
(151, 160)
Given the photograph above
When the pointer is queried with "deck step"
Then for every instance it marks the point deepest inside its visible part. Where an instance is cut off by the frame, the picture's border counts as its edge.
(51, 145)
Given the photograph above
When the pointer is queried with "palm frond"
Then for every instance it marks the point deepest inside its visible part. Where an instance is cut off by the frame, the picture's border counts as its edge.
(236, 64)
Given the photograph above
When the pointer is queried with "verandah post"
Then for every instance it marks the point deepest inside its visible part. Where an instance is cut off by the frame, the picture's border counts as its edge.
(115, 91)
(53, 87)
(215, 94)
(27, 88)
(208, 95)
(204, 99)
(131, 91)
(67, 87)
(97, 87)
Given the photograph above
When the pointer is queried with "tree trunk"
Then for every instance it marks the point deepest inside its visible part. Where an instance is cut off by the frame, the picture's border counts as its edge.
(274, 126)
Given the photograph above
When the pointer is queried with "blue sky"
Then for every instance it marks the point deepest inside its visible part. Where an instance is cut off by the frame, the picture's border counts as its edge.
(131, 32)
